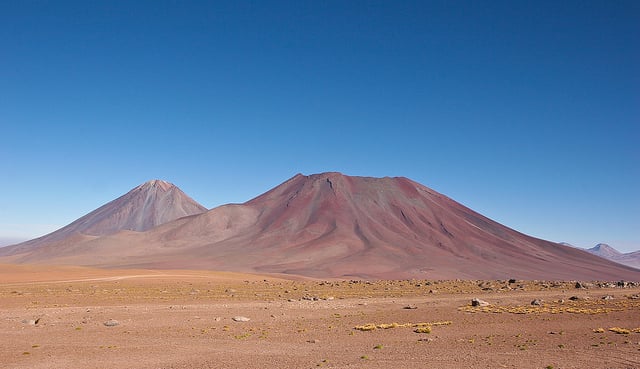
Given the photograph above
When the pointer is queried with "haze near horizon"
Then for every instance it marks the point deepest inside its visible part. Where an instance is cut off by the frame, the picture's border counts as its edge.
(526, 113)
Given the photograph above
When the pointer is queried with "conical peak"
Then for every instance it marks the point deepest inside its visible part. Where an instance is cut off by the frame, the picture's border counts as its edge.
(156, 184)
(603, 247)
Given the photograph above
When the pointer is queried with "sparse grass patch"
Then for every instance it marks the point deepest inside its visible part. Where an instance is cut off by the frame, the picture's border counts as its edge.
(619, 330)
(426, 329)
(372, 326)
(242, 336)
(365, 327)
(581, 306)
(387, 326)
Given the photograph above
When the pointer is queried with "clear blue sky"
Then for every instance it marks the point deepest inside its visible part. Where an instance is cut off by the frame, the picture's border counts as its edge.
(526, 111)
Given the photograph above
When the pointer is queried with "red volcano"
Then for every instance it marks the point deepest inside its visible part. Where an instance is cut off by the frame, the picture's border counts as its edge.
(332, 225)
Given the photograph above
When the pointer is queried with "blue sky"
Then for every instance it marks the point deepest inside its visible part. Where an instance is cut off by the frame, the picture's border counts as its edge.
(528, 112)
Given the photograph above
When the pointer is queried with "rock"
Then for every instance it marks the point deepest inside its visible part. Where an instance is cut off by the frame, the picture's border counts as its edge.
(240, 319)
(574, 298)
(478, 302)
(486, 286)
(607, 297)
(111, 323)
(579, 285)
(512, 280)
(30, 321)
(425, 340)
(313, 341)
(536, 302)
(410, 307)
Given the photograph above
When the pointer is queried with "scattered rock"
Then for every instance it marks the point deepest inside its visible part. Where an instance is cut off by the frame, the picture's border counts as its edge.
(111, 323)
(486, 286)
(536, 302)
(240, 319)
(425, 340)
(478, 302)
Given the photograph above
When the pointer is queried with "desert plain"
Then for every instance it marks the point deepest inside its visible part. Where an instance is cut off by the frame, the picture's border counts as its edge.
(76, 317)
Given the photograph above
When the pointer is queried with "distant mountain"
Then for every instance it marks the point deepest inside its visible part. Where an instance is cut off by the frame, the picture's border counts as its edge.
(144, 207)
(332, 225)
(6, 241)
(605, 251)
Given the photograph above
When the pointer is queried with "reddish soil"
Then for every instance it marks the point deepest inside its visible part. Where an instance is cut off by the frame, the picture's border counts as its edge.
(183, 319)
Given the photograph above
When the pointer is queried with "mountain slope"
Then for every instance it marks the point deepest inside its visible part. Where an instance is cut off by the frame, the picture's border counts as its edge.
(605, 251)
(332, 225)
(144, 207)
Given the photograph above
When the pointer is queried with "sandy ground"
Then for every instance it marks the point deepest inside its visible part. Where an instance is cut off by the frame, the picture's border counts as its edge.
(54, 318)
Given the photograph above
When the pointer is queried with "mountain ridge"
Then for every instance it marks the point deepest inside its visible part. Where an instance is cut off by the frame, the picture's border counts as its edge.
(332, 225)
(605, 251)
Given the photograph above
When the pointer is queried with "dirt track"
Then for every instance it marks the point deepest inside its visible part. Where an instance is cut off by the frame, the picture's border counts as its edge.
(184, 320)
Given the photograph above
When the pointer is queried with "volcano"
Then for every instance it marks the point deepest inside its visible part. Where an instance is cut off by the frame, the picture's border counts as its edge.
(144, 207)
(331, 225)
(603, 250)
